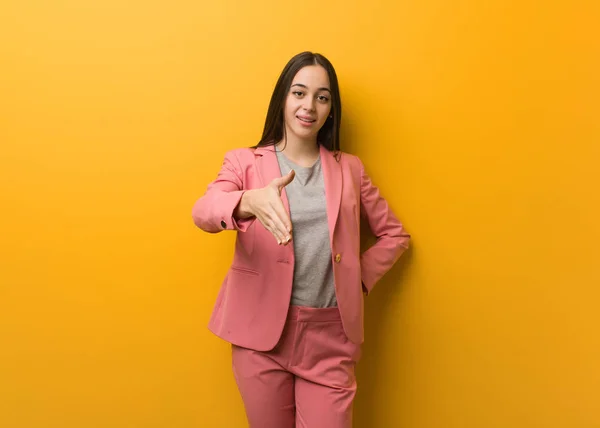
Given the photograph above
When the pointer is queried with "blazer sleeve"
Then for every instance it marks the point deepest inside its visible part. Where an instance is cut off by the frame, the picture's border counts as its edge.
(392, 238)
(213, 212)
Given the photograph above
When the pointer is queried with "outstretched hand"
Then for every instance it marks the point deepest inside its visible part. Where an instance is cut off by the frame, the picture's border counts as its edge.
(266, 205)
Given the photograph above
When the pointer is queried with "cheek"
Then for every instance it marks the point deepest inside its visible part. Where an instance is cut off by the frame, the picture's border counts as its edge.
(324, 113)
(290, 108)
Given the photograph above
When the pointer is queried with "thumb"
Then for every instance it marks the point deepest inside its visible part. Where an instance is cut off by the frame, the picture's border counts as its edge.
(281, 182)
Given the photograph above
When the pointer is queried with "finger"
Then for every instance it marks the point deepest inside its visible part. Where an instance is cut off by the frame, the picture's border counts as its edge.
(270, 227)
(283, 218)
(276, 212)
(280, 228)
(276, 203)
(270, 221)
(281, 182)
(275, 225)
(277, 235)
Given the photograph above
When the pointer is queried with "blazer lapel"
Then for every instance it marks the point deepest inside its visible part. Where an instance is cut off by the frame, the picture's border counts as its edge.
(332, 176)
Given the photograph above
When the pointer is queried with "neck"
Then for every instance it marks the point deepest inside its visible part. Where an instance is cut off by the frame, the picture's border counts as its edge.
(300, 151)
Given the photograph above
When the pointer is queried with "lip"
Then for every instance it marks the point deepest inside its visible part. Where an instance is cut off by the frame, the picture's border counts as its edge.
(302, 119)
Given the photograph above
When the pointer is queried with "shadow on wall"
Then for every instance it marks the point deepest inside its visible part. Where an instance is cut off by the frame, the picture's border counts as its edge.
(374, 380)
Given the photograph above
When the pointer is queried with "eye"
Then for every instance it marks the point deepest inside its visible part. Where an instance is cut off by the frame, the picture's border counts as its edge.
(298, 93)
(323, 98)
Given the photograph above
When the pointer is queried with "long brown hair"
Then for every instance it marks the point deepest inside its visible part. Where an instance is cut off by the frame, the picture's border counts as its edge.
(274, 130)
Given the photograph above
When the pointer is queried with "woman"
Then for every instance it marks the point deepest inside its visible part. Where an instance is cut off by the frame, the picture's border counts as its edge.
(291, 304)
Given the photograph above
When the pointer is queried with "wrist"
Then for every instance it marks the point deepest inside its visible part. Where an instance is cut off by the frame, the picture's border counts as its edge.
(244, 208)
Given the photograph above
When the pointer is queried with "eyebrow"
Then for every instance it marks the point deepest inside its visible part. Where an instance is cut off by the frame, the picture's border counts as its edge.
(306, 87)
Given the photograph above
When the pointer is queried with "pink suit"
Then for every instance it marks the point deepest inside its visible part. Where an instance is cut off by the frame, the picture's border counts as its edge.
(252, 310)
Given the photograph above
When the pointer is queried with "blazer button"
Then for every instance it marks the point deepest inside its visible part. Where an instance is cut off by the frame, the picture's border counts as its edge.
(338, 258)
(223, 224)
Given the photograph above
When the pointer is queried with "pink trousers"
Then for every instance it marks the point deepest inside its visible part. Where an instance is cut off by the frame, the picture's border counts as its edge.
(307, 380)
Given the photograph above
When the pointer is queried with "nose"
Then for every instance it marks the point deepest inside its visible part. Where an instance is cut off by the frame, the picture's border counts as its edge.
(309, 104)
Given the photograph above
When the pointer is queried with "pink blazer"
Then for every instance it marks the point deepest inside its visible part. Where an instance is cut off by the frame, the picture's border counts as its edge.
(253, 301)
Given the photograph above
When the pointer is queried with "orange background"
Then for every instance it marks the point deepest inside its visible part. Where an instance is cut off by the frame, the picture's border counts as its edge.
(478, 120)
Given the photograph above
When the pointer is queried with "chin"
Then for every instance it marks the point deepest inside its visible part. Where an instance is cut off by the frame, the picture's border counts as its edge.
(305, 135)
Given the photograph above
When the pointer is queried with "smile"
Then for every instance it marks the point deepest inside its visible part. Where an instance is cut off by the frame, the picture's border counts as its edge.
(305, 119)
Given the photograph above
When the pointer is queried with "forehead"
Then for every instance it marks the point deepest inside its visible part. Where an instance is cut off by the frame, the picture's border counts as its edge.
(313, 76)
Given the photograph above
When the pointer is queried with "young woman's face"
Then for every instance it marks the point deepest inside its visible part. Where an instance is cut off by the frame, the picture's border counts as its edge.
(308, 102)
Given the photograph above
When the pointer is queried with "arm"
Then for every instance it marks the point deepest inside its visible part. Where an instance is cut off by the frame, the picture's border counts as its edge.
(218, 208)
(392, 238)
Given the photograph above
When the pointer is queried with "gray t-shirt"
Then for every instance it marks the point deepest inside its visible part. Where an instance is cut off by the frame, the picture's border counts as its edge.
(313, 272)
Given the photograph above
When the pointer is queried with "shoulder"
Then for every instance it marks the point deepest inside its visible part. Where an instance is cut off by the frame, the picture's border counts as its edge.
(348, 160)
(240, 156)
(348, 157)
